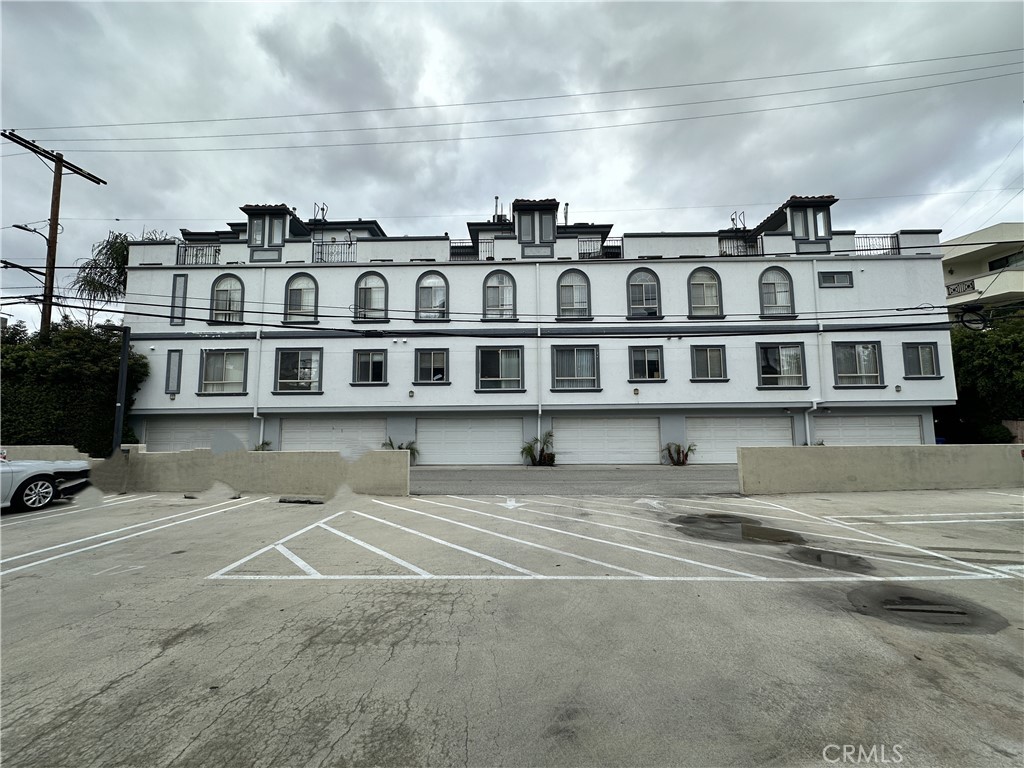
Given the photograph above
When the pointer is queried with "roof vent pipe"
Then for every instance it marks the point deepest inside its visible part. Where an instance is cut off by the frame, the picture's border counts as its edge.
(567, 214)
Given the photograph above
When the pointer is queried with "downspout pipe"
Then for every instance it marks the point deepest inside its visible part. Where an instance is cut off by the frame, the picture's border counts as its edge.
(259, 358)
(536, 299)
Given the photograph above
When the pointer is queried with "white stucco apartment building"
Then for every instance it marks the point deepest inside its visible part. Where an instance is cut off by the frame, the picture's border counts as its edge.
(329, 335)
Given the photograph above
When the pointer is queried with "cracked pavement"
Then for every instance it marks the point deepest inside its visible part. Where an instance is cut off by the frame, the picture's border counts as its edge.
(128, 655)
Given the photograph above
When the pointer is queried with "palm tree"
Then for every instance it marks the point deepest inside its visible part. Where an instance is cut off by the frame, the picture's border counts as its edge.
(103, 277)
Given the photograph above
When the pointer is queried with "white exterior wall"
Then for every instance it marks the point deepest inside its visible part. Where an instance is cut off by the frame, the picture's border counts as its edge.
(880, 282)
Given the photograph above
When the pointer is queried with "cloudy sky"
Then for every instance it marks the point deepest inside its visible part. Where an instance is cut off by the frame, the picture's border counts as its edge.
(649, 116)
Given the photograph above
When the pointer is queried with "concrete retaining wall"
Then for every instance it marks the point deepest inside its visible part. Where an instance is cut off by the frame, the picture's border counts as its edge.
(45, 453)
(879, 468)
(308, 473)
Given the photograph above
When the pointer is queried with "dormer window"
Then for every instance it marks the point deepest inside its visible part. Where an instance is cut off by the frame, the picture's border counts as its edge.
(810, 223)
(547, 227)
(266, 237)
(526, 227)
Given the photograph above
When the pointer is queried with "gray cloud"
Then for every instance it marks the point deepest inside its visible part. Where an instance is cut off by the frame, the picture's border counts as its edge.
(85, 63)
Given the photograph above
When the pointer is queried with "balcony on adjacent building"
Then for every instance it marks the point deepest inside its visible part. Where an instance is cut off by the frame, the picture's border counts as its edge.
(595, 248)
(334, 253)
(197, 255)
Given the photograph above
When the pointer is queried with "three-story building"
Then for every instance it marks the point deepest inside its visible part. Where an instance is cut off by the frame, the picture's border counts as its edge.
(330, 335)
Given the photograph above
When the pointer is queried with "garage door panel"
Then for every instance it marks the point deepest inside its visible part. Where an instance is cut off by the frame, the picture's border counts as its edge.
(351, 437)
(718, 437)
(607, 440)
(187, 433)
(469, 441)
(868, 430)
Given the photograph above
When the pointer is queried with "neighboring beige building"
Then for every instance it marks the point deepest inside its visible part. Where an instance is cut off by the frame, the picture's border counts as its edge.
(985, 268)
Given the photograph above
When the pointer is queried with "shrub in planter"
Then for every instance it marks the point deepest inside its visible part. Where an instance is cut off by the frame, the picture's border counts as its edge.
(538, 450)
(677, 455)
(414, 452)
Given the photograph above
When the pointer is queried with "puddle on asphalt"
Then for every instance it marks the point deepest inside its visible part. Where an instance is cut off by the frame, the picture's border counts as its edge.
(924, 609)
(827, 559)
(720, 526)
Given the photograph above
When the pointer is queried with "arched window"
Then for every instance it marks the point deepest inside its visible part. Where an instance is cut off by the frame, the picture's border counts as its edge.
(371, 297)
(432, 297)
(644, 294)
(226, 300)
(499, 295)
(573, 294)
(705, 293)
(776, 292)
(300, 299)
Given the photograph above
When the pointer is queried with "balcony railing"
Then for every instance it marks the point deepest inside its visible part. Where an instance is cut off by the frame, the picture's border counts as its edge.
(885, 245)
(464, 250)
(333, 253)
(192, 255)
(593, 248)
(734, 246)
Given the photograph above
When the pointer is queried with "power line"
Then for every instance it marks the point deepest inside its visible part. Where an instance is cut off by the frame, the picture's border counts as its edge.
(549, 132)
(525, 117)
(527, 98)
(986, 181)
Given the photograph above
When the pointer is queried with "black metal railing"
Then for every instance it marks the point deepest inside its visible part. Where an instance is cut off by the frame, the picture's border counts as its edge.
(594, 248)
(192, 255)
(333, 253)
(735, 246)
(876, 244)
(465, 250)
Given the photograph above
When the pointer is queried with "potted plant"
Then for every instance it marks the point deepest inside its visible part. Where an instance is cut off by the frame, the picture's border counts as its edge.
(538, 450)
(677, 455)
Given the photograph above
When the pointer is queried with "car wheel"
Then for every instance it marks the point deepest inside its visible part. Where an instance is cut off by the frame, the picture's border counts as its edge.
(36, 493)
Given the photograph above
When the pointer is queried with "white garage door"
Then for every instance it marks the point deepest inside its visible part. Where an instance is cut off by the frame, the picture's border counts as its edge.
(182, 433)
(350, 436)
(469, 441)
(718, 437)
(868, 430)
(606, 440)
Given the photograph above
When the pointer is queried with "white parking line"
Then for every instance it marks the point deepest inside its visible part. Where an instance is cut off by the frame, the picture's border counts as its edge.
(937, 555)
(944, 522)
(129, 536)
(922, 514)
(1011, 495)
(54, 513)
(591, 538)
(457, 547)
(376, 550)
(303, 565)
(108, 533)
(510, 577)
(687, 542)
(561, 552)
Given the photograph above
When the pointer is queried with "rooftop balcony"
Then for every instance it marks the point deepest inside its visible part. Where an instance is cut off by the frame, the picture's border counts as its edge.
(878, 245)
(198, 255)
(593, 248)
(465, 250)
(334, 253)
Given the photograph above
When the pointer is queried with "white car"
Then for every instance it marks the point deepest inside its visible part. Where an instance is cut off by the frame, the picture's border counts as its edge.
(34, 484)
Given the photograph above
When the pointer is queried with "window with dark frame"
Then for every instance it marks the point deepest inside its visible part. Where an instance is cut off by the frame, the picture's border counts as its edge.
(780, 365)
(369, 366)
(776, 292)
(179, 291)
(835, 279)
(708, 363)
(857, 364)
(526, 227)
(645, 364)
(226, 303)
(499, 368)
(172, 382)
(371, 297)
(223, 371)
(499, 296)
(705, 293)
(300, 299)
(643, 294)
(921, 360)
(575, 368)
(432, 297)
(298, 370)
(573, 294)
(431, 366)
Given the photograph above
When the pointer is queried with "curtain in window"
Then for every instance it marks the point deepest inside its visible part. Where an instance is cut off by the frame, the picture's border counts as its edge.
(857, 364)
(431, 298)
(704, 298)
(643, 294)
(227, 301)
(498, 296)
(572, 296)
(776, 294)
(370, 298)
(575, 369)
(224, 372)
(509, 367)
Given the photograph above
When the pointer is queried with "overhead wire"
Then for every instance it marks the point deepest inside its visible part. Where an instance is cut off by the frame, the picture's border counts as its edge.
(512, 100)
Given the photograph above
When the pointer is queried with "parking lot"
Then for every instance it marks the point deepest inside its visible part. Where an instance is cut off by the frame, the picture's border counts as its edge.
(482, 629)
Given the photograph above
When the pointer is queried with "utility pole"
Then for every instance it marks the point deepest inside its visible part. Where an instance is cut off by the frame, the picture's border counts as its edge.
(59, 164)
